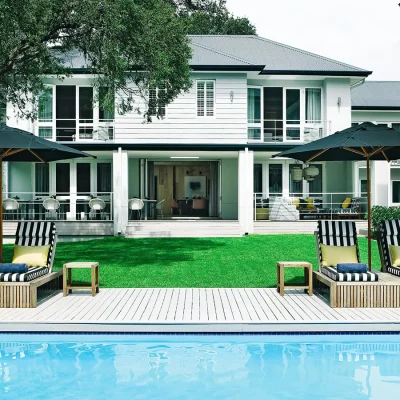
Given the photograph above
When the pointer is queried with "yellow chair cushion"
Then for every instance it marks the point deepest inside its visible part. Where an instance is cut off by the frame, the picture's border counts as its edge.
(296, 202)
(334, 255)
(395, 255)
(346, 202)
(262, 213)
(310, 203)
(32, 256)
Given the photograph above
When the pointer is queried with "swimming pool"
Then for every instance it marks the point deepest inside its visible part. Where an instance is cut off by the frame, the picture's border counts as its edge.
(199, 367)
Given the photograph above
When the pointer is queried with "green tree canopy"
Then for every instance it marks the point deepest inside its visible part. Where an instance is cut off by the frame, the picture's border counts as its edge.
(128, 46)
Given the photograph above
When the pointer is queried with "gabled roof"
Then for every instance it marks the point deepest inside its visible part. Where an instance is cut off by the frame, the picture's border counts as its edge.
(267, 56)
(376, 95)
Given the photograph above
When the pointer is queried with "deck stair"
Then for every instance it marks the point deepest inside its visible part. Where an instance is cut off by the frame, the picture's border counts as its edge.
(183, 228)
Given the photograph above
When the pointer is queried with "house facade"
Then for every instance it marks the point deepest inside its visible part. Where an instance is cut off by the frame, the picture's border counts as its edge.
(209, 157)
(379, 102)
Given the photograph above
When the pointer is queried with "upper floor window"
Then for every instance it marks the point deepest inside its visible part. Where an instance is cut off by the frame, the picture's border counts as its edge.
(3, 112)
(69, 113)
(157, 101)
(313, 105)
(205, 98)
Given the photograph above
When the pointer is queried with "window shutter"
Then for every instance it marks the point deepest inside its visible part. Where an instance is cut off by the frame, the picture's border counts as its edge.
(205, 98)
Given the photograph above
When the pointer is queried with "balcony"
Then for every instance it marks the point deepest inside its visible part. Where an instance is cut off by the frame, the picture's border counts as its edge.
(74, 130)
(287, 131)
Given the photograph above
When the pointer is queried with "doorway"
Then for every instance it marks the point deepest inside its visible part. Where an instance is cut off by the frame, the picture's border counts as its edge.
(188, 189)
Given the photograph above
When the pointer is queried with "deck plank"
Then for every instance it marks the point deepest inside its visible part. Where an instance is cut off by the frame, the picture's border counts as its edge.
(190, 305)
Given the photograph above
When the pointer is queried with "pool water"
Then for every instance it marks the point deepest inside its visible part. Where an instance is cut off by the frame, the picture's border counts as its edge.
(200, 367)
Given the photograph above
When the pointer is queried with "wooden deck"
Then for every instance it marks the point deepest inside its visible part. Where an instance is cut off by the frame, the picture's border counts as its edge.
(194, 310)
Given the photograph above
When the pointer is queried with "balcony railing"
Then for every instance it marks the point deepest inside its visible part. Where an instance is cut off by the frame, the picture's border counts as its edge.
(72, 130)
(281, 131)
(20, 206)
(315, 206)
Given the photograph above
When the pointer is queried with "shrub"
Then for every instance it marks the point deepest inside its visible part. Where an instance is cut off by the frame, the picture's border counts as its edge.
(382, 213)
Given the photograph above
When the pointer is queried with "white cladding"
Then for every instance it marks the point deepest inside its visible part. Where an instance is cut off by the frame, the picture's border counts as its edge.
(181, 124)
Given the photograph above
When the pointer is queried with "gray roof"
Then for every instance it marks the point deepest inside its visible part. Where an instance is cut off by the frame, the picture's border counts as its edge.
(249, 53)
(375, 95)
(268, 56)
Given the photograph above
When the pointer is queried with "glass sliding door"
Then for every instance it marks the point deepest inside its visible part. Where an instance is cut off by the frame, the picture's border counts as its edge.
(275, 176)
(85, 112)
(292, 114)
(315, 186)
(313, 106)
(66, 113)
(254, 113)
(83, 179)
(42, 181)
(273, 114)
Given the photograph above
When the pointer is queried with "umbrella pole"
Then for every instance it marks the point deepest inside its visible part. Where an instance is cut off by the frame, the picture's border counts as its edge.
(369, 214)
(1, 209)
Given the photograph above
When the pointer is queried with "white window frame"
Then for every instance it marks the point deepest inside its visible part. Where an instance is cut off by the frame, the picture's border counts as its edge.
(157, 89)
(96, 124)
(205, 98)
(255, 125)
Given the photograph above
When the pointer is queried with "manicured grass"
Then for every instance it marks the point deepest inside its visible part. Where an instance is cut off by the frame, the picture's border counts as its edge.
(214, 262)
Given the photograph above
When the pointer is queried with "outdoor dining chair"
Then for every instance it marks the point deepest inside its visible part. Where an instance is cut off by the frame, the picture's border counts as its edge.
(51, 207)
(97, 207)
(10, 207)
(135, 206)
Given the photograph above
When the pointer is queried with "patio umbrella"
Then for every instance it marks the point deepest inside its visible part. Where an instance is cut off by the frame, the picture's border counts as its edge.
(364, 142)
(19, 145)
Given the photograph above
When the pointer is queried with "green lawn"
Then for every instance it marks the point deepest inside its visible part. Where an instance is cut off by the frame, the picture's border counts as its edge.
(211, 262)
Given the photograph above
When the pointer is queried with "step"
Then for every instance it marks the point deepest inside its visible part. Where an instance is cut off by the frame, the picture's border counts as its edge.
(147, 229)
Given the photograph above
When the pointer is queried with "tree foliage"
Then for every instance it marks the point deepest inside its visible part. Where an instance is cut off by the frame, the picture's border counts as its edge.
(126, 45)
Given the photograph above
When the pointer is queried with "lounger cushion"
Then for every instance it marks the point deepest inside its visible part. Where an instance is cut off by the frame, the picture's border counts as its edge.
(32, 256)
(394, 270)
(395, 255)
(352, 268)
(32, 274)
(349, 277)
(12, 268)
(334, 255)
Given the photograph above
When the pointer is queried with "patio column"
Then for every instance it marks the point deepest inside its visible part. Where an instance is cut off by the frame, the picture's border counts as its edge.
(245, 195)
(380, 183)
(120, 188)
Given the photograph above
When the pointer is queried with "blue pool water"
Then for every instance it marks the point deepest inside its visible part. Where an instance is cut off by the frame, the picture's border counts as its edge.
(199, 367)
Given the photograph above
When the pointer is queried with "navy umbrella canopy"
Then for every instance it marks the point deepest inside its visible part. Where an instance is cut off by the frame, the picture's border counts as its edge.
(22, 146)
(363, 142)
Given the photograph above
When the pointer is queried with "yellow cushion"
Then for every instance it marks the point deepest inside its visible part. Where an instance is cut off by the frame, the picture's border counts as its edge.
(32, 256)
(346, 202)
(262, 213)
(334, 255)
(395, 255)
(310, 203)
(296, 202)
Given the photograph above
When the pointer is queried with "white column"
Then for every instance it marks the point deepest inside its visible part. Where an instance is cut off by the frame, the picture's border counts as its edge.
(380, 181)
(245, 195)
(73, 189)
(120, 188)
(356, 179)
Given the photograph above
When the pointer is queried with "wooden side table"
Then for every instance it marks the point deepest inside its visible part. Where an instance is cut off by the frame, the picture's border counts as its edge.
(280, 271)
(68, 286)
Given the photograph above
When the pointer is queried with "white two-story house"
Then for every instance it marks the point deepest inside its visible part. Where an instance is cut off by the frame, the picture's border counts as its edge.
(209, 158)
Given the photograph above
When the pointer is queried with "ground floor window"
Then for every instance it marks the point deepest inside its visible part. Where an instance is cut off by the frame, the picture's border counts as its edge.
(258, 176)
(395, 191)
(42, 179)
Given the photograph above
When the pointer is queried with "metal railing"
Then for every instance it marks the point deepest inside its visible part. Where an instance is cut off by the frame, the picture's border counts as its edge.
(313, 206)
(20, 206)
(72, 130)
(278, 131)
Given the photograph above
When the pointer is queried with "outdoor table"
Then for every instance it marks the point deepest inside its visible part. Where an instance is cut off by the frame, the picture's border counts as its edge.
(68, 286)
(280, 270)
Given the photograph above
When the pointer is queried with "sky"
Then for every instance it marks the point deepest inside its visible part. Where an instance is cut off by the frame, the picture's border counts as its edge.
(363, 33)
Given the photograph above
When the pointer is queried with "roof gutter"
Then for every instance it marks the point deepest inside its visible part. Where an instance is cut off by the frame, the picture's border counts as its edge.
(359, 83)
